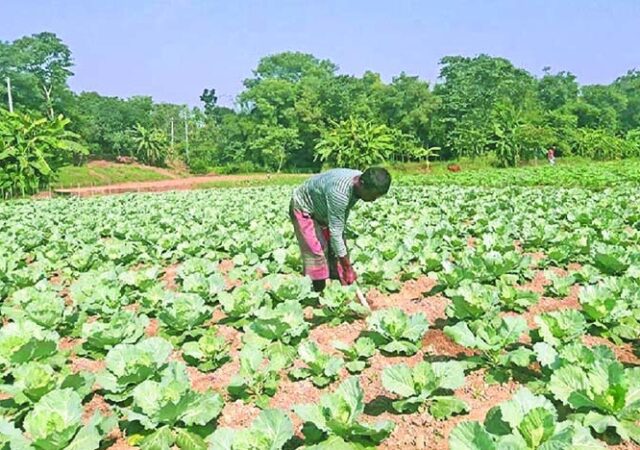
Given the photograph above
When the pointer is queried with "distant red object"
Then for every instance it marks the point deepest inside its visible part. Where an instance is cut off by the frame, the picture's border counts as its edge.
(453, 168)
(126, 159)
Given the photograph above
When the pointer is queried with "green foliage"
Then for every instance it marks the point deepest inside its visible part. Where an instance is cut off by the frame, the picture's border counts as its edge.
(150, 144)
(321, 368)
(31, 150)
(396, 332)
(271, 430)
(355, 143)
(183, 315)
(297, 111)
(601, 144)
(25, 341)
(208, 353)
(123, 327)
(55, 423)
(604, 394)
(334, 421)
(257, 380)
(127, 365)
(421, 384)
(339, 304)
(494, 338)
(358, 354)
(170, 410)
(526, 421)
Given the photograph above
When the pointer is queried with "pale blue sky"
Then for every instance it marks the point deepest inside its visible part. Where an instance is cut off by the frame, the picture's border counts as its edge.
(172, 49)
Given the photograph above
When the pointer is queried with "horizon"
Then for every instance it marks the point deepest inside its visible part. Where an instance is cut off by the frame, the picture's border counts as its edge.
(593, 39)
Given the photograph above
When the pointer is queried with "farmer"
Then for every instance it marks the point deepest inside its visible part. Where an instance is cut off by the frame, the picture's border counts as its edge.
(319, 210)
(551, 155)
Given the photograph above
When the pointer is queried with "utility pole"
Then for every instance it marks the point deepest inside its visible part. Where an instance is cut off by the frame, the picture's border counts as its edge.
(9, 95)
(186, 136)
(172, 136)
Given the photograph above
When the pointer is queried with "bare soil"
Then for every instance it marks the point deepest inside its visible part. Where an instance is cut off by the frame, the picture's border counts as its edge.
(173, 184)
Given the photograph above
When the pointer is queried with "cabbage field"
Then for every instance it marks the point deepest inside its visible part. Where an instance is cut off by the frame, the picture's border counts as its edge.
(502, 318)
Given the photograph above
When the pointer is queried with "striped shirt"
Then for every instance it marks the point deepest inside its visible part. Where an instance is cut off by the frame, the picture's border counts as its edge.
(328, 198)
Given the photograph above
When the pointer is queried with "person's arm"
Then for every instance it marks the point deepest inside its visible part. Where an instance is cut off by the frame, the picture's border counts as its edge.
(337, 206)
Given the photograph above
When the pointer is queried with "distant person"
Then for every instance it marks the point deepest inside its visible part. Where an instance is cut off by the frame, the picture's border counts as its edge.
(551, 155)
(319, 211)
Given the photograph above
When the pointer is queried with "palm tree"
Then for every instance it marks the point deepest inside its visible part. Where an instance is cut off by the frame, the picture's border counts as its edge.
(151, 144)
(355, 142)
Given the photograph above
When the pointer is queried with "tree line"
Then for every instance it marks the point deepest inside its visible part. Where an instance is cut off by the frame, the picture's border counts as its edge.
(297, 112)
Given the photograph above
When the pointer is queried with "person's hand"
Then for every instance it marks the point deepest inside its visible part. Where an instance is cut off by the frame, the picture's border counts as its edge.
(347, 274)
(350, 276)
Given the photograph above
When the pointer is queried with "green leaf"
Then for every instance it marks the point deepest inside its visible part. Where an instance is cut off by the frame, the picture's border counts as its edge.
(55, 419)
(470, 436)
(537, 426)
(161, 439)
(443, 407)
(204, 409)
(398, 379)
(450, 374)
(88, 438)
(461, 334)
(545, 353)
(187, 440)
(222, 439)
(275, 427)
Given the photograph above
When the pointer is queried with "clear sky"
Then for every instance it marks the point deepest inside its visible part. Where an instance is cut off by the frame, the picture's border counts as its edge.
(173, 49)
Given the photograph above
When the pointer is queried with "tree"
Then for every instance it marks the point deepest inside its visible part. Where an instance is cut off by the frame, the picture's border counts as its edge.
(48, 59)
(151, 144)
(408, 105)
(104, 122)
(356, 143)
(518, 134)
(208, 97)
(469, 90)
(556, 91)
(291, 67)
(629, 86)
(274, 144)
(32, 150)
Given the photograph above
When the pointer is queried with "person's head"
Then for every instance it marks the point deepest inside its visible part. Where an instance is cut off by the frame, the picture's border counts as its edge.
(373, 183)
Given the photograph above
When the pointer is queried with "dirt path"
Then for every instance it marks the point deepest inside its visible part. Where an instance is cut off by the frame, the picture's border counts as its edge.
(156, 186)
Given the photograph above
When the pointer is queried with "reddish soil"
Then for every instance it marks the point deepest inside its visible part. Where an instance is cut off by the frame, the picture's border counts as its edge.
(97, 403)
(169, 277)
(624, 352)
(411, 299)
(537, 284)
(138, 186)
(176, 184)
(69, 344)
(436, 343)
(86, 365)
(547, 304)
(421, 431)
(152, 328)
(121, 443)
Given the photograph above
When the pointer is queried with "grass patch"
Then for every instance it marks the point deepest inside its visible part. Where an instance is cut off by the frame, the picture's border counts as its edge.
(85, 176)
(568, 173)
(261, 180)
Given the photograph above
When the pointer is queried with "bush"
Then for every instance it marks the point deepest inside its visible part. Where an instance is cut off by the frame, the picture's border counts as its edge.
(31, 150)
(233, 168)
(602, 145)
